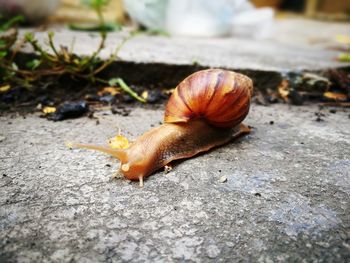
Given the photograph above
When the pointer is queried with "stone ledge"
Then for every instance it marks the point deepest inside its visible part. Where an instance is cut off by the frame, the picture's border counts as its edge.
(299, 50)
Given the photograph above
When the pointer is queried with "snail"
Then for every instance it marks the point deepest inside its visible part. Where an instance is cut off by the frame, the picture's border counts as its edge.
(205, 111)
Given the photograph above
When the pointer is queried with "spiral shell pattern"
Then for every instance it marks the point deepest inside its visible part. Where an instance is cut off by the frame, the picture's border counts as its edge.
(220, 97)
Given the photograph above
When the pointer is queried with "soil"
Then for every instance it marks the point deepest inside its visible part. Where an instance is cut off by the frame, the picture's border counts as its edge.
(65, 94)
(157, 80)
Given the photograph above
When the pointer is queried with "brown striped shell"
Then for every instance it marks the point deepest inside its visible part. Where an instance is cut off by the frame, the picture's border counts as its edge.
(220, 97)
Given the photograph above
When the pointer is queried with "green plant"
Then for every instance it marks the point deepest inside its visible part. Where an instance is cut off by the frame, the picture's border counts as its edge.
(11, 22)
(97, 6)
(8, 37)
(125, 88)
(55, 62)
(8, 34)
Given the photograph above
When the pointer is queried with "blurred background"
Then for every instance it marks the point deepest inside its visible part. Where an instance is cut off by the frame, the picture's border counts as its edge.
(296, 36)
(181, 17)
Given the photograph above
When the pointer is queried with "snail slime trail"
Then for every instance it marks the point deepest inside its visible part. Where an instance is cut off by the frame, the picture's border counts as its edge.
(205, 111)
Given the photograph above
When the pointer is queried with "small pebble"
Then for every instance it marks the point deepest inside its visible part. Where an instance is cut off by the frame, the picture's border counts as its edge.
(167, 168)
(319, 116)
(68, 110)
(213, 251)
(2, 138)
(223, 179)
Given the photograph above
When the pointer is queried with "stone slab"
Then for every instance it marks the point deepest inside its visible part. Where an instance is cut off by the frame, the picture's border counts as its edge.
(297, 44)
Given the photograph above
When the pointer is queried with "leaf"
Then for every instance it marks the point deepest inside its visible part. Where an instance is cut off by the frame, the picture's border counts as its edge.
(119, 142)
(11, 22)
(33, 64)
(51, 34)
(108, 27)
(29, 36)
(283, 90)
(48, 110)
(126, 88)
(65, 53)
(95, 3)
(5, 88)
(3, 53)
(14, 66)
(344, 57)
(3, 44)
(111, 90)
(335, 96)
(144, 94)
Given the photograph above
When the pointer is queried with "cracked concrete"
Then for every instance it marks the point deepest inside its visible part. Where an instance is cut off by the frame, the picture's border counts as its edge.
(286, 197)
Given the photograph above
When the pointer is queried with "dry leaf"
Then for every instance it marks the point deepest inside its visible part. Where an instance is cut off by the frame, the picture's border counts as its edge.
(144, 94)
(110, 90)
(283, 90)
(48, 110)
(118, 142)
(5, 88)
(335, 96)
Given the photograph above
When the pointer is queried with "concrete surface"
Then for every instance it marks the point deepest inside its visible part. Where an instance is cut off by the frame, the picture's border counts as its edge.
(297, 44)
(286, 198)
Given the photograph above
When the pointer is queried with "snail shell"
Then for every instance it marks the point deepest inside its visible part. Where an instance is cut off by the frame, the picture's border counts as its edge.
(220, 97)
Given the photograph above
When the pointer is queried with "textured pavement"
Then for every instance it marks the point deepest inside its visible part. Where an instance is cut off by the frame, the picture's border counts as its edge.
(286, 198)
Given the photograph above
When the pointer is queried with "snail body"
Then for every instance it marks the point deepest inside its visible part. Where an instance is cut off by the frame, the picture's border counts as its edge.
(205, 111)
